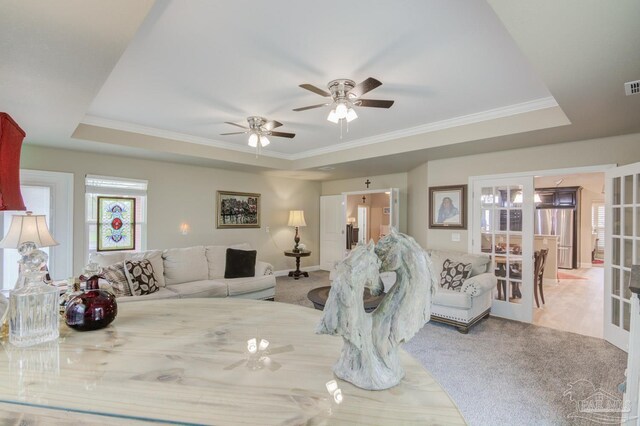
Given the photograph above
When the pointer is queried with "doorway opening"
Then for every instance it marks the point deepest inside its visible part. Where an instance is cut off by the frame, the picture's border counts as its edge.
(569, 224)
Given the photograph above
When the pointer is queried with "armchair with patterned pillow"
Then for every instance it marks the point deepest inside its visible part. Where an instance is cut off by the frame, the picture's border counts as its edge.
(462, 295)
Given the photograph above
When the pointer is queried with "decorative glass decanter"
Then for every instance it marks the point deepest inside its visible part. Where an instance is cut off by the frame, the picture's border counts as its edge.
(92, 309)
(33, 305)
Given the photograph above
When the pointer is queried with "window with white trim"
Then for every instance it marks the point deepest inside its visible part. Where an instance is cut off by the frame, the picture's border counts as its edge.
(97, 186)
(597, 224)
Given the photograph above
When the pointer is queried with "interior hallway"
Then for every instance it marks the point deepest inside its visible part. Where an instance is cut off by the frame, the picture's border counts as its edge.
(574, 304)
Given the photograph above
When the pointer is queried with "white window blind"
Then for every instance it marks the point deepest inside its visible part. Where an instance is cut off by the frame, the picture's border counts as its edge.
(597, 222)
(96, 186)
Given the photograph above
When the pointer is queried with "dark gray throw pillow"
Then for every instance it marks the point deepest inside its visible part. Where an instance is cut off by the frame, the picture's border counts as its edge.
(453, 274)
(240, 263)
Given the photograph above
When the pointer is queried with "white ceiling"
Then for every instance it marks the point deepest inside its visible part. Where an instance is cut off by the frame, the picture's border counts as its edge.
(158, 79)
(194, 65)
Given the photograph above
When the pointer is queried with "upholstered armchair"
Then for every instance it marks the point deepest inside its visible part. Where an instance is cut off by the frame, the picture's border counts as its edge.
(468, 302)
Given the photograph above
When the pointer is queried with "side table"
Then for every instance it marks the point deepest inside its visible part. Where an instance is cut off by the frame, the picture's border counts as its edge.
(297, 254)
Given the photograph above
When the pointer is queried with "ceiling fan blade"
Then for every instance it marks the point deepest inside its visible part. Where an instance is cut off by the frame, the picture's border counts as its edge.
(364, 87)
(270, 125)
(234, 133)
(237, 125)
(310, 107)
(283, 134)
(316, 90)
(374, 103)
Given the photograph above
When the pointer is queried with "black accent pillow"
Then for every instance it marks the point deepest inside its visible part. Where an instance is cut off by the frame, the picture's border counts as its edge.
(240, 263)
(454, 274)
(140, 277)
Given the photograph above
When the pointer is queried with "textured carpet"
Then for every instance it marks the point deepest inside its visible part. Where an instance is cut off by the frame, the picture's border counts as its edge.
(503, 372)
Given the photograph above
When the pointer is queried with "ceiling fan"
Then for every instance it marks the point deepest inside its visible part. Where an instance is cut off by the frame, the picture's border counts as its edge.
(345, 95)
(258, 130)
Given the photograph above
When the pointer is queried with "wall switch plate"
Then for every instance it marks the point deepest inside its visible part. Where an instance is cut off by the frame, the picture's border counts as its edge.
(455, 236)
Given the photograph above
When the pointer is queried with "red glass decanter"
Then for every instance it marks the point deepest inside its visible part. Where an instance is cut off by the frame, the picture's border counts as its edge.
(93, 309)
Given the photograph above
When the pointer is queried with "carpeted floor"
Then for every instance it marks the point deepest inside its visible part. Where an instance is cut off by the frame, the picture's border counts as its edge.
(503, 372)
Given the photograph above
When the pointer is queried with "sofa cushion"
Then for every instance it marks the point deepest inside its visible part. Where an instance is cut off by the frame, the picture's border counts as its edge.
(183, 265)
(116, 277)
(107, 259)
(155, 256)
(248, 285)
(140, 277)
(453, 299)
(161, 294)
(479, 262)
(216, 258)
(454, 274)
(240, 263)
(204, 288)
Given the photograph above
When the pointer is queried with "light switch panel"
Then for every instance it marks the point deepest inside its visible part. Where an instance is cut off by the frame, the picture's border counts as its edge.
(455, 236)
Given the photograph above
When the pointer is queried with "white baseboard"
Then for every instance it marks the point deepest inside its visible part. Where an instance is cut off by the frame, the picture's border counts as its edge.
(549, 281)
(285, 272)
(586, 265)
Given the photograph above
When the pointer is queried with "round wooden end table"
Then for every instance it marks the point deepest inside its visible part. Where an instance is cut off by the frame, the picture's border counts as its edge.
(319, 298)
(297, 254)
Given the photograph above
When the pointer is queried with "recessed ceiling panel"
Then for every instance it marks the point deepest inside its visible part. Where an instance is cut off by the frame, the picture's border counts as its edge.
(194, 65)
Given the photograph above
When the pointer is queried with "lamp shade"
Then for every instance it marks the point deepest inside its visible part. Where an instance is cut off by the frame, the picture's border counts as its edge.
(28, 228)
(296, 218)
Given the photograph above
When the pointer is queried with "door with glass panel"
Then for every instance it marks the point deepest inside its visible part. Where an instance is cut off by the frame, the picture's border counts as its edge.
(502, 227)
(622, 249)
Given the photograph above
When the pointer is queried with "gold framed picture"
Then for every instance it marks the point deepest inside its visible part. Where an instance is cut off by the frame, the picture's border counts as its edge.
(238, 210)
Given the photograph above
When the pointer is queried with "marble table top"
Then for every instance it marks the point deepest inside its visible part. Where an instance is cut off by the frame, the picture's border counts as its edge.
(186, 361)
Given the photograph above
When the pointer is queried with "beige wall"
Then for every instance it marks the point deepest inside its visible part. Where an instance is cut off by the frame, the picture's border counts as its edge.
(617, 149)
(181, 193)
(396, 180)
(417, 213)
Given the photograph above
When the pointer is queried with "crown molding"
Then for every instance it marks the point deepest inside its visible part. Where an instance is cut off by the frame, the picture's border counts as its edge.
(524, 107)
(492, 114)
(167, 134)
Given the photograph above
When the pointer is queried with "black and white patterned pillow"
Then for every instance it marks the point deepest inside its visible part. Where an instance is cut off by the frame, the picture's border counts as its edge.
(115, 275)
(453, 274)
(140, 277)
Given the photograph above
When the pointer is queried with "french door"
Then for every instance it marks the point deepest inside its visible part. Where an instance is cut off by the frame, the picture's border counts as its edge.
(332, 226)
(502, 227)
(622, 249)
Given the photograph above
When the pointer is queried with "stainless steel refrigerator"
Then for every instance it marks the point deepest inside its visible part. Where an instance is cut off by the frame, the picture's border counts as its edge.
(559, 222)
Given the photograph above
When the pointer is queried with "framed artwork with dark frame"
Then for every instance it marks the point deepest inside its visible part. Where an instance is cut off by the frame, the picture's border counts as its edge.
(238, 210)
(448, 207)
(116, 220)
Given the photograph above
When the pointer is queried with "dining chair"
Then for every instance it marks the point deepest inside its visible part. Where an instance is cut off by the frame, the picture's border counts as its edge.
(539, 261)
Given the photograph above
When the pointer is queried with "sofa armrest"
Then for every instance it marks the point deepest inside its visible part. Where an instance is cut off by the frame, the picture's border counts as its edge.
(479, 284)
(263, 268)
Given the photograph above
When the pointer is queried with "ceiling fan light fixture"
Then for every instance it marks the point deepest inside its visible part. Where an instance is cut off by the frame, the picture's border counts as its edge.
(341, 110)
(253, 140)
(351, 115)
(264, 141)
(333, 117)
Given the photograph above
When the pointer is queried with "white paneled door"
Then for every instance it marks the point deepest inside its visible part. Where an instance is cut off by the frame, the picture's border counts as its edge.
(622, 249)
(502, 227)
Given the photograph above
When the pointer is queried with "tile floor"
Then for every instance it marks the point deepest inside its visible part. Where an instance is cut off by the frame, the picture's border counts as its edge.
(574, 305)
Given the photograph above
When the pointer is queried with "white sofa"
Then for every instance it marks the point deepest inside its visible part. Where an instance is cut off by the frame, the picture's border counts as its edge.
(472, 303)
(194, 272)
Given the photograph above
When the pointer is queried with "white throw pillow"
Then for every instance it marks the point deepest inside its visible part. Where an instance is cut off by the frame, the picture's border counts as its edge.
(217, 257)
(183, 265)
(107, 259)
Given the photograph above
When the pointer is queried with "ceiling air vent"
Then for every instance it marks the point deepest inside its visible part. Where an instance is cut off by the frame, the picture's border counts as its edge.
(632, 88)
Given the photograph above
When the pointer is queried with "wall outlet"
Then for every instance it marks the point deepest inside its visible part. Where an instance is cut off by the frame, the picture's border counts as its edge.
(267, 229)
(455, 237)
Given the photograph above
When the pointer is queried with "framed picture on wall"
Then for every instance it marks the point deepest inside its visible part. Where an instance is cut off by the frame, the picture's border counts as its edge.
(447, 207)
(116, 224)
(238, 210)
(386, 210)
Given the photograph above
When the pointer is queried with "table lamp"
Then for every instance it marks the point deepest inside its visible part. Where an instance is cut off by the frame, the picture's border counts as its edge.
(34, 309)
(296, 218)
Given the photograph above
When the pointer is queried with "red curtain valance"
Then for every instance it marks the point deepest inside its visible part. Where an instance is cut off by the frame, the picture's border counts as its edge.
(11, 136)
